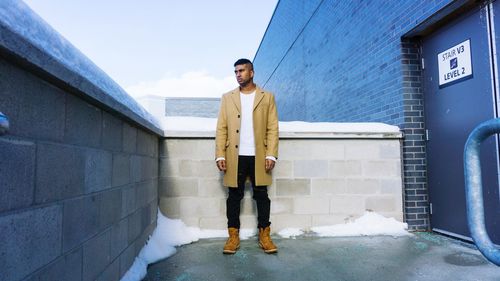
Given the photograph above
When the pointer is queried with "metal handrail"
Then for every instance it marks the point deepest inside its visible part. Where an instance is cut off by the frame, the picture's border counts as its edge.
(4, 124)
(474, 189)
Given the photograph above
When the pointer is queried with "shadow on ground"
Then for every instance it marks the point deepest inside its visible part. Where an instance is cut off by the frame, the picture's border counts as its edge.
(422, 256)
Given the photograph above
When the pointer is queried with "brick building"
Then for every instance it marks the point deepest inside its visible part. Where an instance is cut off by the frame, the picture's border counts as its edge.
(378, 61)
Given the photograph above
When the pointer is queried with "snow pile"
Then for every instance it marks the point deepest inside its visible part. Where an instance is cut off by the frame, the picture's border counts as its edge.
(290, 232)
(200, 124)
(168, 234)
(161, 244)
(369, 224)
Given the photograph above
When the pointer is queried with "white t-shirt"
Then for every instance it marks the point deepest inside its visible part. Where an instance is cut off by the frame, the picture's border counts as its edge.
(247, 140)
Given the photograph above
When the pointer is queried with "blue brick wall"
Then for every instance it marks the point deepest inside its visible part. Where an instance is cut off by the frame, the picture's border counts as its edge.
(348, 61)
(284, 30)
(416, 200)
(337, 60)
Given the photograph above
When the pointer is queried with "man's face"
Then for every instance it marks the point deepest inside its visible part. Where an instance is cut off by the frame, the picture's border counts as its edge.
(244, 74)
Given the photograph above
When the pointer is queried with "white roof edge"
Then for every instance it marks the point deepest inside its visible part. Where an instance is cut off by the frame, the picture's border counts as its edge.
(296, 135)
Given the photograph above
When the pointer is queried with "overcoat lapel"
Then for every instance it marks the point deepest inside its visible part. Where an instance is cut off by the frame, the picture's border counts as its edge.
(259, 94)
(235, 97)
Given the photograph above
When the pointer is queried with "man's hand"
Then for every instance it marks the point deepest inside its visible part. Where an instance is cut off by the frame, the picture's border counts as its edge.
(221, 164)
(269, 165)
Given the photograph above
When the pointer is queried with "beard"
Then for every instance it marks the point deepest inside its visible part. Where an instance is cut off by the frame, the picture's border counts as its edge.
(244, 83)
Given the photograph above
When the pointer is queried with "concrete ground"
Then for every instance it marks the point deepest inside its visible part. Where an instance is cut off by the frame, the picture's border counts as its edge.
(422, 256)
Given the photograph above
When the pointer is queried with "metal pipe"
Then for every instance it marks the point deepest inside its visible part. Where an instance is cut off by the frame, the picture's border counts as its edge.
(474, 189)
(4, 124)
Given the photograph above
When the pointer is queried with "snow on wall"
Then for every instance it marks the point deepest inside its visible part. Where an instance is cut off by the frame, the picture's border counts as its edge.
(183, 123)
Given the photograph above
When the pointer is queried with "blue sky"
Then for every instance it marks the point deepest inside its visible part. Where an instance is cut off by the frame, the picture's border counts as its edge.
(162, 47)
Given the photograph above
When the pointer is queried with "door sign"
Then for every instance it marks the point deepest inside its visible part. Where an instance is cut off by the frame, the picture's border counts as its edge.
(455, 63)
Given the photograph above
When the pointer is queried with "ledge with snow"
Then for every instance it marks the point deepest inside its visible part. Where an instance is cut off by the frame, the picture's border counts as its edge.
(326, 174)
(182, 126)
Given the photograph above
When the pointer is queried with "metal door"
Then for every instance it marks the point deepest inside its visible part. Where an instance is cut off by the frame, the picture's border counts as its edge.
(452, 110)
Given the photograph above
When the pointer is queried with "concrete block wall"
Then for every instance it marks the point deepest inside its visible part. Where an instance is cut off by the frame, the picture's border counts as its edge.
(316, 182)
(78, 183)
(79, 166)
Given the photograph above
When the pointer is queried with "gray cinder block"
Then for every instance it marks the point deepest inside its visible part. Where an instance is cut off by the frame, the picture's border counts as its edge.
(24, 247)
(67, 267)
(111, 273)
(135, 168)
(111, 132)
(83, 122)
(293, 187)
(310, 168)
(110, 207)
(149, 168)
(96, 256)
(176, 187)
(128, 200)
(170, 207)
(143, 168)
(17, 173)
(149, 193)
(98, 170)
(60, 172)
(80, 220)
(127, 258)
(35, 108)
(134, 226)
(121, 169)
(129, 138)
(146, 144)
(145, 217)
(153, 192)
(142, 193)
(119, 238)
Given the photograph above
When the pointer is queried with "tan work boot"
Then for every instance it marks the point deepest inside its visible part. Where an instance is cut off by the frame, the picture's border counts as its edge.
(265, 241)
(233, 242)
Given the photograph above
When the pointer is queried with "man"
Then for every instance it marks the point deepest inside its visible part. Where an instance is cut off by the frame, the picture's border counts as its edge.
(247, 147)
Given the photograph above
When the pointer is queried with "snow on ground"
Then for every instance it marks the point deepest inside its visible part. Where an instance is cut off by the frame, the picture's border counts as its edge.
(170, 233)
(369, 224)
(200, 124)
(290, 232)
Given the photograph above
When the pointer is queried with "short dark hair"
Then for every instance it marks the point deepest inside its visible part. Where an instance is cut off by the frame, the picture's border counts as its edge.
(243, 61)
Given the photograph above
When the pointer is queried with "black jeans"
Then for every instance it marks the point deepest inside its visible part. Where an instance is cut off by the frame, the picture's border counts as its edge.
(246, 168)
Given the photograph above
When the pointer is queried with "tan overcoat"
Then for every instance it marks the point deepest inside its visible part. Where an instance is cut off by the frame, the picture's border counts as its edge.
(265, 128)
